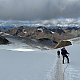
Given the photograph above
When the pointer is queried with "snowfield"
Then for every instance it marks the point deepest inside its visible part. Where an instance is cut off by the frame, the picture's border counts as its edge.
(16, 63)
(28, 65)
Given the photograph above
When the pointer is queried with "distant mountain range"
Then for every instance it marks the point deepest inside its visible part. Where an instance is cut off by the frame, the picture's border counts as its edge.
(42, 31)
(68, 22)
(53, 33)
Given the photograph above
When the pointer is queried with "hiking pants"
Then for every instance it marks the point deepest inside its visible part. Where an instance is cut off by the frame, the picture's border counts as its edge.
(66, 58)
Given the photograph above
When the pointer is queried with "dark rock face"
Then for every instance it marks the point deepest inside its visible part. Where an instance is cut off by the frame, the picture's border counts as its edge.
(47, 42)
(3, 40)
(44, 29)
(58, 30)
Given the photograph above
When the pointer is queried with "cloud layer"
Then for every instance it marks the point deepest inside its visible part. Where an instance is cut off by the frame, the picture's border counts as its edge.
(39, 9)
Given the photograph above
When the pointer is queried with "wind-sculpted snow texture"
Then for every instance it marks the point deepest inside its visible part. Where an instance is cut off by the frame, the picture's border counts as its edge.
(72, 73)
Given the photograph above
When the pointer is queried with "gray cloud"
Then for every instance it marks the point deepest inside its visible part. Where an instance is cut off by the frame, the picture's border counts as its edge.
(39, 9)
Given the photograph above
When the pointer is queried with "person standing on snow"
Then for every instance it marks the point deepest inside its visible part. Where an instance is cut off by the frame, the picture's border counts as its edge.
(58, 53)
(64, 54)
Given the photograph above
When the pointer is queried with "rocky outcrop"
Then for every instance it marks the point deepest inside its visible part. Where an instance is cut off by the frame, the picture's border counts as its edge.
(47, 42)
(3, 40)
(31, 32)
(63, 43)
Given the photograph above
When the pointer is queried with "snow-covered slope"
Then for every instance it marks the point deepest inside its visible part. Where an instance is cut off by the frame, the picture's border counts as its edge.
(38, 64)
(29, 65)
(73, 70)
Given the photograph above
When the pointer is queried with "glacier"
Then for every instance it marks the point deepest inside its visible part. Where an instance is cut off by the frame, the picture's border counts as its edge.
(36, 64)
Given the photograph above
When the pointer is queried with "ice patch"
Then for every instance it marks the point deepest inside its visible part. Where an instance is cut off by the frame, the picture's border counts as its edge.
(21, 49)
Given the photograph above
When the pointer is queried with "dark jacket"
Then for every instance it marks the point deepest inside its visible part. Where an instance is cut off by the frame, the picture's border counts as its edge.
(64, 51)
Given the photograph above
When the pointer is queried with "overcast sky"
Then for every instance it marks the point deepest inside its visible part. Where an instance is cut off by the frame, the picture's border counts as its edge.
(39, 9)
